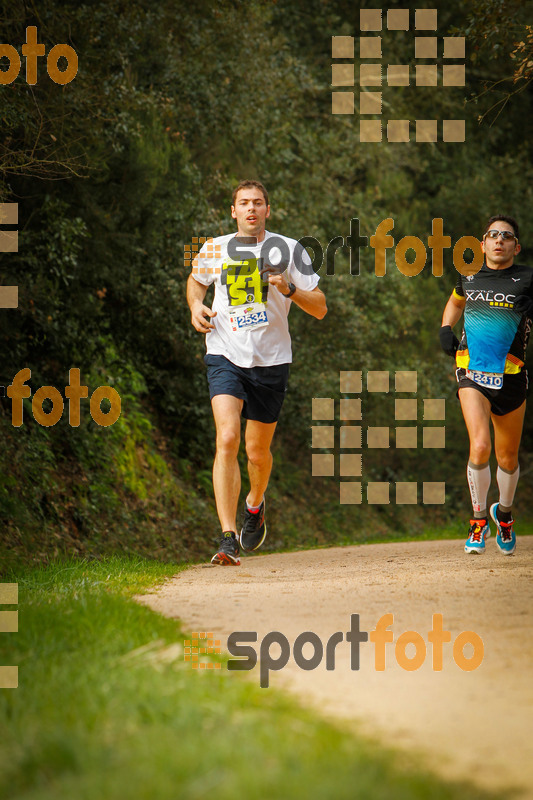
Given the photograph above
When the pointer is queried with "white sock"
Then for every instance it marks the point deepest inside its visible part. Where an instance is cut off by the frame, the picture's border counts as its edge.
(254, 509)
(478, 482)
(507, 482)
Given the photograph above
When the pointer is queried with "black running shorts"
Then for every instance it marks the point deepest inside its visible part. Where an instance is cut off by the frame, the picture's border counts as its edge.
(504, 400)
(263, 389)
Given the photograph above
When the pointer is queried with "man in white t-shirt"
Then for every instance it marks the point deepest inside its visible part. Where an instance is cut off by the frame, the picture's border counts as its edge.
(257, 277)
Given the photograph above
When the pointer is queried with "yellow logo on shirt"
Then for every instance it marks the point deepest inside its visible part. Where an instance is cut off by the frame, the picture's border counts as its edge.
(244, 282)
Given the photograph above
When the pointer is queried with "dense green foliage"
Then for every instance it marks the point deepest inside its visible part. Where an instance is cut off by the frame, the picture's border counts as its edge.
(116, 171)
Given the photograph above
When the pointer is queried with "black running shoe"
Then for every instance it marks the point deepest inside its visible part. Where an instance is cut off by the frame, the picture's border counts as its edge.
(253, 528)
(228, 551)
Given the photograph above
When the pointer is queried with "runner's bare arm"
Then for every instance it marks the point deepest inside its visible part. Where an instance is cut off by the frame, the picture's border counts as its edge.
(312, 302)
(199, 313)
(453, 311)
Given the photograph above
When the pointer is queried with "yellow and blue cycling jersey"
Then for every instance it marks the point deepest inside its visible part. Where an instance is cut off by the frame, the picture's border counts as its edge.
(494, 336)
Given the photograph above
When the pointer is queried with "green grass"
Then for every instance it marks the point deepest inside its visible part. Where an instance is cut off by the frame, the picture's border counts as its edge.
(97, 718)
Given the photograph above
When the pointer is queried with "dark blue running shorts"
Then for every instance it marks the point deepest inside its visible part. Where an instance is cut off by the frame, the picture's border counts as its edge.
(263, 389)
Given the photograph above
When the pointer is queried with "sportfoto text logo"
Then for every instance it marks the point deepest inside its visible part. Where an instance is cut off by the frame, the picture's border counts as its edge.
(74, 391)
(31, 51)
(238, 644)
(275, 252)
(374, 71)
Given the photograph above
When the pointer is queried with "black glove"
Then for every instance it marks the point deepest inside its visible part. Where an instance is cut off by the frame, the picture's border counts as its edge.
(524, 305)
(448, 340)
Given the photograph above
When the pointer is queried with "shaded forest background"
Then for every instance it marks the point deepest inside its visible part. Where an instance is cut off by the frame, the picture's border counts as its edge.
(115, 172)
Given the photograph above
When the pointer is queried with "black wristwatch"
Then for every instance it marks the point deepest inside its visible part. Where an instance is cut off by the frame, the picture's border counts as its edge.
(292, 289)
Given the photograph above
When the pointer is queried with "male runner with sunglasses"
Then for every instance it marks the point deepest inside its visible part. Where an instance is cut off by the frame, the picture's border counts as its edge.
(248, 352)
(498, 310)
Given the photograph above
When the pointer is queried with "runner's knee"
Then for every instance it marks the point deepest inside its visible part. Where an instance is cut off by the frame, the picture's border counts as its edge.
(480, 450)
(507, 459)
(258, 455)
(228, 440)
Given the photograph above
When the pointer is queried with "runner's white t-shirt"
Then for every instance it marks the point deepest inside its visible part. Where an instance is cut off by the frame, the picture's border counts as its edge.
(251, 325)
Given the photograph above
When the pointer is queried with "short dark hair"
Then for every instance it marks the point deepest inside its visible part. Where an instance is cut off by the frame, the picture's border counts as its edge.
(249, 185)
(504, 218)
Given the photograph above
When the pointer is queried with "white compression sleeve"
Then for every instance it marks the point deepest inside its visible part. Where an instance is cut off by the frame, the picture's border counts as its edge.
(478, 482)
(507, 482)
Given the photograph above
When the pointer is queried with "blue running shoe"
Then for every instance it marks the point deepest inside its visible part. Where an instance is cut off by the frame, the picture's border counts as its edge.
(479, 531)
(506, 537)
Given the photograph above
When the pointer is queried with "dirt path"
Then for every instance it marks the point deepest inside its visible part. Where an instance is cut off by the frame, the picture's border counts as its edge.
(468, 724)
